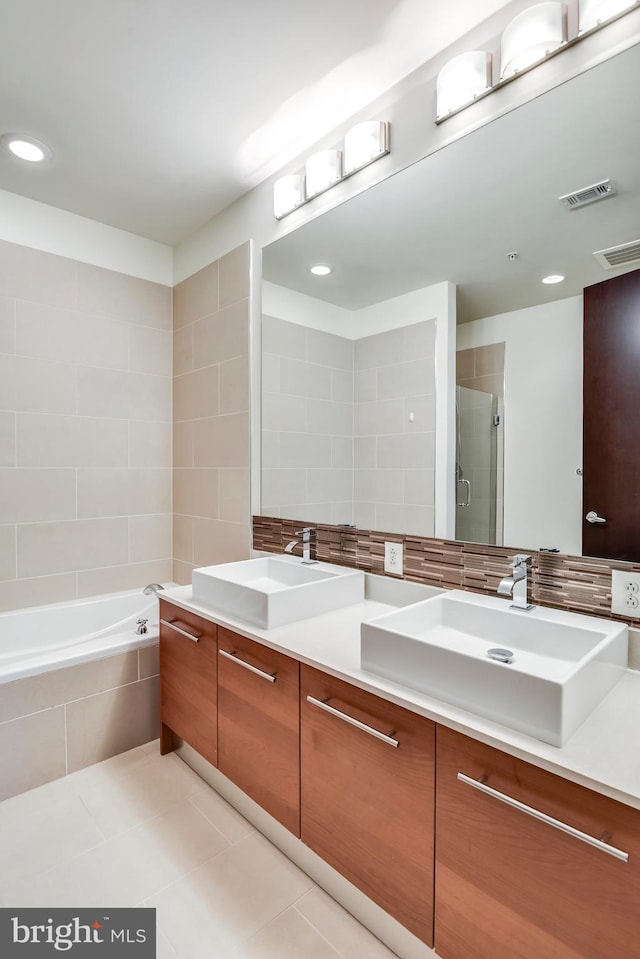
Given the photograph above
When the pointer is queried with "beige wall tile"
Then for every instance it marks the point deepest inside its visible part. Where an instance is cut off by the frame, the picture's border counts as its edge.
(222, 336)
(406, 451)
(196, 296)
(149, 443)
(183, 443)
(46, 548)
(56, 334)
(7, 552)
(234, 495)
(93, 582)
(7, 439)
(305, 379)
(324, 416)
(234, 275)
(419, 487)
(465, 364)
(234, 385)
(412, 378)
(36, 385)
(46, 439)
(149, 397)
(330, 350)
(283, 338)
(149, 661)
(150, 351)
(382, 416)
(419, 340)
(490, 359)
(123, 492)
(7, 325)
(30, 274)
(182, 572)
(221, 440)
(183, 537)
(183, 350)
(195, 492)
(110, 723)
(32, 751)
(378, 350)
(102, 342)
(279, 413)
(22, 593)
(102, 393)
(280, 486)
(150, 537)
(195, 394)
(215, 541)
(37, 495)
(123, 297)
(35, 693)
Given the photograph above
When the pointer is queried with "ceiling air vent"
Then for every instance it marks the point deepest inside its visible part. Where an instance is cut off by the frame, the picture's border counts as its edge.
(623, 255)
(589, 194)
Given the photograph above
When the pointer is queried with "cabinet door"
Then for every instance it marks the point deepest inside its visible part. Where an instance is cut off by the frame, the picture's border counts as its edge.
(188, 680)
(258, 724)
(368, 795)
(510, 886)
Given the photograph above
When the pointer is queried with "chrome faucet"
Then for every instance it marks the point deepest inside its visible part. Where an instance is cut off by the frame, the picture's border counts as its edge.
(142, 627)
(516, 585)
(152, 588)
(307, 534)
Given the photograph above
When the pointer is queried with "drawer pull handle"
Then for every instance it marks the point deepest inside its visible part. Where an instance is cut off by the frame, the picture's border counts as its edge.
(321, 704)
(183, 632)
(542, 817)
(270, 677)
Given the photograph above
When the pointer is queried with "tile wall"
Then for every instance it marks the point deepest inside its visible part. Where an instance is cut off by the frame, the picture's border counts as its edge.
(211, 522)
(85, 429)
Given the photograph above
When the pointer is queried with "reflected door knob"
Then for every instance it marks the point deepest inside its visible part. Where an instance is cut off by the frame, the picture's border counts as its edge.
(592, 517)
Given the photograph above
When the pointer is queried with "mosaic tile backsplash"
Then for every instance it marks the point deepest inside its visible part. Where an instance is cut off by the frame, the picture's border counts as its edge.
(579, 584)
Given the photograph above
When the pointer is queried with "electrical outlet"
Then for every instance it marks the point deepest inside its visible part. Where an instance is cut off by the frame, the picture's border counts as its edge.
(625, 592)
(393, 558)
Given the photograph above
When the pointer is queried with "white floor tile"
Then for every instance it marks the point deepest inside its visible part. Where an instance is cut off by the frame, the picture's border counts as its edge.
(224, 817)
(347, 936)
(288, 936)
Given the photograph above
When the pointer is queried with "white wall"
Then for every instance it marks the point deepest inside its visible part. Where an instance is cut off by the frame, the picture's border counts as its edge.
(542, 421)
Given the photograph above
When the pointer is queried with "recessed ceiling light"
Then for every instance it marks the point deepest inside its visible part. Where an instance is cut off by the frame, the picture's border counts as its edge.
(553, 278)
(26, 148)
(321, 269)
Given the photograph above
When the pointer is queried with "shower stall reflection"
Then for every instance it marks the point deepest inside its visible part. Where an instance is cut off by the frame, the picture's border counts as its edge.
(479, 466)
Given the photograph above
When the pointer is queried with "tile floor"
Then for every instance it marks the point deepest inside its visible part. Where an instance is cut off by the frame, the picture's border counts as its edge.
(141, 829)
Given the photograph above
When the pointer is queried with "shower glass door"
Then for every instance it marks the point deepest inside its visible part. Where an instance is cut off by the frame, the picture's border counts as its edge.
(479, 472)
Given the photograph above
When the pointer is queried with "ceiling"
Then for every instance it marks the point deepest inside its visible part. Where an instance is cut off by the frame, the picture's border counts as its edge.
(456, 215)
(160, 113)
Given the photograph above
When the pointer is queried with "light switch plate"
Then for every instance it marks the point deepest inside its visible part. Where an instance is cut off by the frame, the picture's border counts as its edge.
(393, 558)
(625, 592)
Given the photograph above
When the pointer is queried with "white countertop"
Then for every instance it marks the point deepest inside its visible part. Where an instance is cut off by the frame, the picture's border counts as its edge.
(603, 754)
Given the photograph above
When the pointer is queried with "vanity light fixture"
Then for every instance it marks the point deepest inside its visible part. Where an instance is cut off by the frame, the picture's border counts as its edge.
(593, 13)
(461, 81)
(322, 170)
(26, 147)
(288, 194)
(531, 36)
(553, 278)
(321, 269)
(364, 143)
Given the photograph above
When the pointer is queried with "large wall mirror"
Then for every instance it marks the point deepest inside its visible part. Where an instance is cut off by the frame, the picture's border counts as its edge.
(352, 389)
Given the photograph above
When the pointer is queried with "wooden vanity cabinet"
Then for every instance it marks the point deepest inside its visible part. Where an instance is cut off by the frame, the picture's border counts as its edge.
(509, 886)
(367, 802)
(258, 724)
(188, 680)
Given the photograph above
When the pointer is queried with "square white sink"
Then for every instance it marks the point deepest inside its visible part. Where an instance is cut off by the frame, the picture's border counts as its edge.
(561, 665)
(276, 590)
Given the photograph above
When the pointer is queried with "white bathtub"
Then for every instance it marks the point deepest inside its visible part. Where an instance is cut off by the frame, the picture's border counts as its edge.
(45, 638)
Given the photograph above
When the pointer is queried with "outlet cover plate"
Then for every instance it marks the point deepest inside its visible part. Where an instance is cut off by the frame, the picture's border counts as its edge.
(393, 558)
(625, 592)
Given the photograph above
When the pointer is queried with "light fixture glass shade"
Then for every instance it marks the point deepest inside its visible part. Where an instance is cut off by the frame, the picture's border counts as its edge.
(531, 36)
(288, 193)
(365, 142)
(323, 169)
(593, 12)
(462, 79)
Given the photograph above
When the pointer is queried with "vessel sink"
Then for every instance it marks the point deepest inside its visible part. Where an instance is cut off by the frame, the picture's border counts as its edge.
(551, 669)
(276, 590)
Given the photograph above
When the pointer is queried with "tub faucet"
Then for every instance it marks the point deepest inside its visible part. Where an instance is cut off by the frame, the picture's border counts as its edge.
(141, 627)
(516, 584)
(307, 533)
(152, 588)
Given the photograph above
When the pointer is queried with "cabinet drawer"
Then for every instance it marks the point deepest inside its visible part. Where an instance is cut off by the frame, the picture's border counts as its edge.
(258, 724)
(512, 885)
(368, 795)
(188, 678)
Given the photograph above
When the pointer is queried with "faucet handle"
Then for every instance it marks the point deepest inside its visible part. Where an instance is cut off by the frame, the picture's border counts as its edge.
(521, 559)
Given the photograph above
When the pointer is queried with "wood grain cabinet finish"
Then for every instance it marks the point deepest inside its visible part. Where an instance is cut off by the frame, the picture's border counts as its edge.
(258, 724)
(367, 805)
(509, 886)
(188, 681)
